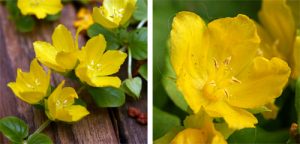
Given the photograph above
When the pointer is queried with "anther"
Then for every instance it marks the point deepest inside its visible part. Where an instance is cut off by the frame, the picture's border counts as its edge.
(235, 80)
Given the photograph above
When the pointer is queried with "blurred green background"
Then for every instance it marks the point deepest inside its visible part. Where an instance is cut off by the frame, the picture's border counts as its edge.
(168, 114)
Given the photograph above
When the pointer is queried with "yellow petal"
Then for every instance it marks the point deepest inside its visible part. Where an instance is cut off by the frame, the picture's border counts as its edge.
(52, 100)
(262, 82)
(46, 54)
(235, 38)
(62, 39)
(296, 59)
(111, 62)
(72, 113)
(191, 136)
(93, 49)
(41, 77)
(105, 81)
(128, 11)
(271, 114)
(67, 60)
(236, 118)
(101, 19)
(31, 97)
(277, 18)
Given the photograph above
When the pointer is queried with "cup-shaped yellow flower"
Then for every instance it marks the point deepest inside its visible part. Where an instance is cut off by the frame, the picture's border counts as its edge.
(217, 67)
(199, 130)
(40, 8)
(84, 19)
(33, 86)
(114, 13)
(62, 55)
(96, 65)
(60, 105)
(280, 20)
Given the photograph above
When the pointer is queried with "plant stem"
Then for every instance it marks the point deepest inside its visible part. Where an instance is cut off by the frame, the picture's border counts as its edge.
(129, 63)
(123, 49)
(80, 89)
(297, 102)
(141, 23)
(42, 127)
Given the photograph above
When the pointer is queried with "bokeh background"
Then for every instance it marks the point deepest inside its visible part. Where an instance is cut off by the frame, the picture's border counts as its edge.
(169, 110)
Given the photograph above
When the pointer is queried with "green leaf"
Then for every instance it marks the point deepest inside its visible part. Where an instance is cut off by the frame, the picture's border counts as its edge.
(39, 139)
(143, 71)
(258, 135)
(12, 8)
(141, 10)
(297, 102)
(168, 137)
(81, 102)
(163, 122)
(224, 129)
(169, 83)
(14, 129)
(138, 44)
(110, 37)
(132, 87)
(25, 23)
(107, 96)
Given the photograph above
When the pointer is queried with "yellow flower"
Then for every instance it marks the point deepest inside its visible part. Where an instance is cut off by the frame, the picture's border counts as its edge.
(60, 105)
(31, 87)
(95, 66)
(114, 13)
(85, 19)
(199, 130)
(62, 55)
(279, 19)
(40, 8)
(217, 67)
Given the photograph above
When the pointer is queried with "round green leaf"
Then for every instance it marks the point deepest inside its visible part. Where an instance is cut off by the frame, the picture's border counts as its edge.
(143, 71)
(132, 87)
(141, 10)
(138, 44)
(14, 129)
(25, 23)
(39, 139)
(107, 96)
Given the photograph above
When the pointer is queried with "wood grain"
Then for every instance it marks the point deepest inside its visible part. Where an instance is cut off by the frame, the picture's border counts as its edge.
(101, 126)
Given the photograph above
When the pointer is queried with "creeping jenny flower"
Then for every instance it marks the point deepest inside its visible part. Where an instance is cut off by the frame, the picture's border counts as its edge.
(60, 105)
(40, 8)
(280, 20)
(96, 65)
(114, 13)
(62, 55)
(84, 19)
(31, 87)
(199, 130)
(217, 67)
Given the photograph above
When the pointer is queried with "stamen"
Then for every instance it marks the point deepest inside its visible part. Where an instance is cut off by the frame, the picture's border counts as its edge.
(216, 63)
(235, 80)
(227, 61)
(226, 93)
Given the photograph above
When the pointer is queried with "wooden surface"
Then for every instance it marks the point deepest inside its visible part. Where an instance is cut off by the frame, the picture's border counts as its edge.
(102, 126)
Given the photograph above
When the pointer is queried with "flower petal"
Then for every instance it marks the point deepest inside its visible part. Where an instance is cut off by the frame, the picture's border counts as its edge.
(68, 60)
(62, 39)
(236, 38)
(94, 49)
(296, 56)
(191, 136)
(261, 82)
(236, 118)
(72, 113)
(277, 18)
(105, 81)
(111, 62)
(99, 18)
(128, 11)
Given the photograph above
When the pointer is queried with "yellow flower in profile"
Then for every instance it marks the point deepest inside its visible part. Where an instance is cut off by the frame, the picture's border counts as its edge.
(31, 87)
(199, 130)
(114, 13)
(60, 105)
(96, 65)
(40, 8)
(62, 55)
(84, 19)
(217, 67)
(280, 19)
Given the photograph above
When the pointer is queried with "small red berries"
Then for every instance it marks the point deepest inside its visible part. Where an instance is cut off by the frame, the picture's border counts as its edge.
(138, 115)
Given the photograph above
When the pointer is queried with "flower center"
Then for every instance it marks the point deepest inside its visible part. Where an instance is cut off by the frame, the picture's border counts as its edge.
(94, 66)
(220, 78)
(35, 3)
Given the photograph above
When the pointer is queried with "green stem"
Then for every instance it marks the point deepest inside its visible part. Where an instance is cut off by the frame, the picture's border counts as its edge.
(141, 23)
(123, 49)
(297, 102)
(42, 127)
(129, 63)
